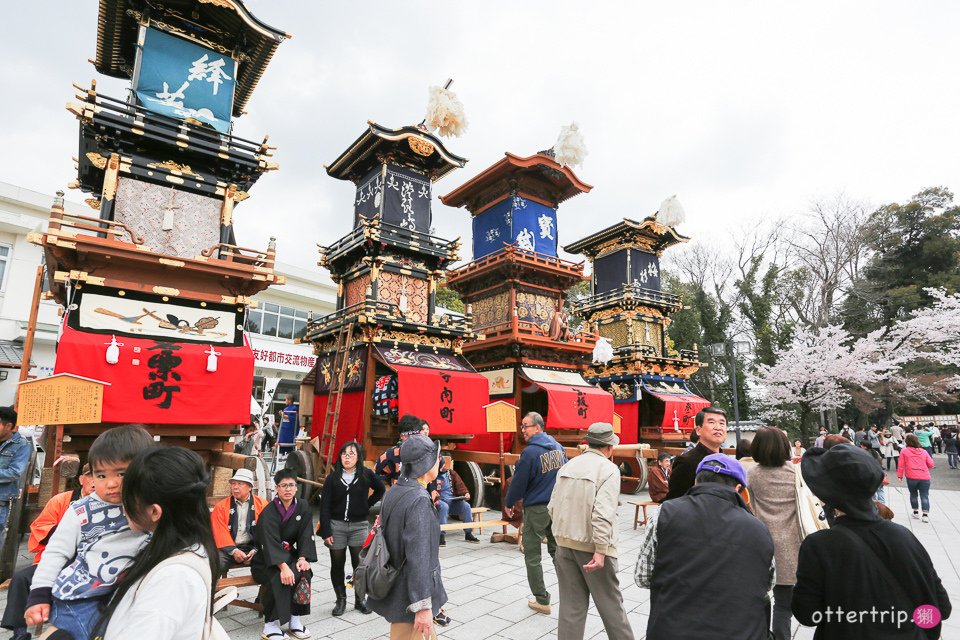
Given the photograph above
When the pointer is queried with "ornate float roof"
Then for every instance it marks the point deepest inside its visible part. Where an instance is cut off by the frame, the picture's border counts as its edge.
(648, 235)
(539, 176)
(225, 26)
(407, 145)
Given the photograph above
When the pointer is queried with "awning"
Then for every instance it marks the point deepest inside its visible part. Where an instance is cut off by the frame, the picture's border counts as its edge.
(441, 389)
(158, 382)
(550, 376)
(680, 410)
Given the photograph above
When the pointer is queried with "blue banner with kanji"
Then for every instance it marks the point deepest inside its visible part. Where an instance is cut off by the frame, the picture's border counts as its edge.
(181, 79)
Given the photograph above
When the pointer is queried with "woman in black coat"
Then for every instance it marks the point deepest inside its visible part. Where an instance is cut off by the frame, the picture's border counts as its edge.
(344, 507)
(411, 528)
(284, 536)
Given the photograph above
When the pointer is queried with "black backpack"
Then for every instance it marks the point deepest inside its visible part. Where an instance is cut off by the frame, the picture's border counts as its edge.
(375, 576)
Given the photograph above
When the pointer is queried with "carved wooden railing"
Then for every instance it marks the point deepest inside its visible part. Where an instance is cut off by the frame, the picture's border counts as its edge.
(91, 226)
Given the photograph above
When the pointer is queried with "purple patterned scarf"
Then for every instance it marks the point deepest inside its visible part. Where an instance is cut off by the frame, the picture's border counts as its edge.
(285, 513)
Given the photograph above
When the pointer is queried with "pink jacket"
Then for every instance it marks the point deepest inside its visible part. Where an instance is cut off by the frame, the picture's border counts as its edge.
(915, 464)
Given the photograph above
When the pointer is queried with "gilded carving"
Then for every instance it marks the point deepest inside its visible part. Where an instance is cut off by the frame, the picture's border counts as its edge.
(93, 203)
(532, 307)
(414, 338)
(420, 146)
(616, 332)
(97, 160)
(492, 310)
(175, 168)
(410, 294)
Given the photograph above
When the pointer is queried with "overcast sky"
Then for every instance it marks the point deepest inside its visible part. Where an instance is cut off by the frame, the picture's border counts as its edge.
(742, 109)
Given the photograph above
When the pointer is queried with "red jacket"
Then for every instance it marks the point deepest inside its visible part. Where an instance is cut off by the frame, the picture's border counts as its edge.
(914, 463)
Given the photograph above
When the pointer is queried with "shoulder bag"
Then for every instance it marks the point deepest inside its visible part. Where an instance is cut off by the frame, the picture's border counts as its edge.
(809, 508)
(375, 576)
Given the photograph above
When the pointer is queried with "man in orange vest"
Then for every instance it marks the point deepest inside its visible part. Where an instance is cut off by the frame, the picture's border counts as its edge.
(233, 521)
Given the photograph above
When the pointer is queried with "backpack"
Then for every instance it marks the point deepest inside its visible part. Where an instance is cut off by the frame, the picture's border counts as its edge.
(375, 576)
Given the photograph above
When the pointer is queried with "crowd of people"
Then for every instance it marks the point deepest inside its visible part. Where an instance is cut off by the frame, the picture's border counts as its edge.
(134, 549)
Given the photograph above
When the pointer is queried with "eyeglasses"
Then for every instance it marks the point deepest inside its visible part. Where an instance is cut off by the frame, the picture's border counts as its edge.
(287, 485)
(525, 425)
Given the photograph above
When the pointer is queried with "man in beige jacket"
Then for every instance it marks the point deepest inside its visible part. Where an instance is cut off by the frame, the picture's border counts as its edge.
(583, 508)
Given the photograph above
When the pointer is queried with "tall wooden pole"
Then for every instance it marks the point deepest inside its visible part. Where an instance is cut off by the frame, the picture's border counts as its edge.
(31, 331)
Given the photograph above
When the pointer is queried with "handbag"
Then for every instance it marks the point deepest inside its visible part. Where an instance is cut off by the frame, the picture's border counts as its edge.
(375, 576)
(301, 591)
(809, 508)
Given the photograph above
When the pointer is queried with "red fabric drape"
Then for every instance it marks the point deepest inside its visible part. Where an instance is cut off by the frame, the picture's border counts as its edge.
(450, 401)
(629, 421)
(160, 382)
(686, 408)
(574, 407)
(350, 424)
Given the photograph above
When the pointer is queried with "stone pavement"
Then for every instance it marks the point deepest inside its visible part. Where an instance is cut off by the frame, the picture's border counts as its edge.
(487, 585)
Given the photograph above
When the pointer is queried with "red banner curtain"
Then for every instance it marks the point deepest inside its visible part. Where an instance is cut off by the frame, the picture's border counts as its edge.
(680, 410)
(159, 382)
(575, 407)
(629, 421)
(450, 401)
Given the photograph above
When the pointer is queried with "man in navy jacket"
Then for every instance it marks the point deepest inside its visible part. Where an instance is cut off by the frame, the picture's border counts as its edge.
(533, 480)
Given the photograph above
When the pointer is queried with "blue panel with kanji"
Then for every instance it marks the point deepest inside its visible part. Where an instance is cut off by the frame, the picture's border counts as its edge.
(181, 79)
(534, 226)
(491, 229)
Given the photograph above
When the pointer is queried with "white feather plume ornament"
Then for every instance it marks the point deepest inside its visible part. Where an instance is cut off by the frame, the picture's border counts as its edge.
(603, 351)
(671, 212)
(570, 150)
(445, 113)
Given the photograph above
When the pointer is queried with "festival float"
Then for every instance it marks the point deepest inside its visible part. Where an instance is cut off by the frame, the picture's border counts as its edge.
(387, 350)
(152, 283)
(645, 374)
(516, 287)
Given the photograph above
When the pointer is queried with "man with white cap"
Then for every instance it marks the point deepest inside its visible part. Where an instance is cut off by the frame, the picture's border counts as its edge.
(583, 508)
(233, 521)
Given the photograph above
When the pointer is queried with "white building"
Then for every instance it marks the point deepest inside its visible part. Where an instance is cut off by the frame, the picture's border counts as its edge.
(281, 315)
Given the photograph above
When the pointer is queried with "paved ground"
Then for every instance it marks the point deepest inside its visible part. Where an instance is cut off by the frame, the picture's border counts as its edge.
(487, 586)
(942, 476)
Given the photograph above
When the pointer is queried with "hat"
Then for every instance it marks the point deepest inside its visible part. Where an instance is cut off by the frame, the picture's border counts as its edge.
(243, 475)
(601, 433)
(724, 465)
(421, 453)
(844, 477)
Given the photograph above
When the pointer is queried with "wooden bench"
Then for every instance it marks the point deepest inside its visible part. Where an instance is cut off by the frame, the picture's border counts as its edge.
(636, 512)
(240, 582)
(477, 522)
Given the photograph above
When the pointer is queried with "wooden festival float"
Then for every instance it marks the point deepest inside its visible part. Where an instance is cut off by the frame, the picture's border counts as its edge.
(516, 287)
(386, 351)
(153, 285)
(646, 375)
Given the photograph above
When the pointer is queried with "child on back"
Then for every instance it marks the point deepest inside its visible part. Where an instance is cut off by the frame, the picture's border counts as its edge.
(92, 545)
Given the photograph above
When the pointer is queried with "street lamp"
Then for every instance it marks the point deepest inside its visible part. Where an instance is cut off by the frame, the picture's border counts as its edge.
(731, 349)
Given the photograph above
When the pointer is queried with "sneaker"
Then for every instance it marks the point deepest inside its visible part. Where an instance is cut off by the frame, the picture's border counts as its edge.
(443, 540)
(441, 618)
(925, 518)
(472, 539)
(539, 608)
(915, 515)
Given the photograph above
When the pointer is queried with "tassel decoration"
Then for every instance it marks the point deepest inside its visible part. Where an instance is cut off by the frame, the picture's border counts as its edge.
(212, 359)
(445, 113)
(671, 212)
(570, 149)
(113, 350)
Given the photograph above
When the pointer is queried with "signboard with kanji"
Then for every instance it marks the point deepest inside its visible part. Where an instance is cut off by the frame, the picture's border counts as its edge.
(60, 399)
(501, 417)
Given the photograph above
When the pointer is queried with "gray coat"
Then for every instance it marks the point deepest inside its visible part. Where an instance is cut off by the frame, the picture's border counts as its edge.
(412, 530)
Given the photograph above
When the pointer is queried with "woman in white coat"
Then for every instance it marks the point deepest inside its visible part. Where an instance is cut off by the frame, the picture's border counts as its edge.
(166, 594)
(891, 450)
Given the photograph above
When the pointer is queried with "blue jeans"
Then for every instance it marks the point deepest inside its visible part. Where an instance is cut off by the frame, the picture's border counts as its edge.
(4, 514)
(77, 617)
(923, 488)
(929, 450)
(952, 460)
(460, 508)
